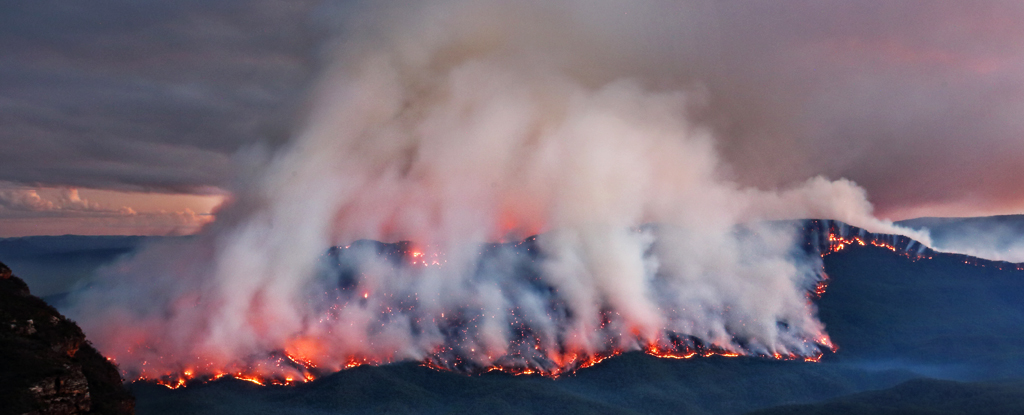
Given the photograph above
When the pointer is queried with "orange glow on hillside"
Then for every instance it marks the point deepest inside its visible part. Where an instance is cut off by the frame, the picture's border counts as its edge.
(302, 358)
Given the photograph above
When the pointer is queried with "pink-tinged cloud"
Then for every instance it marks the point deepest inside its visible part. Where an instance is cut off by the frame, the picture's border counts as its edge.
(49, 211)
(66, 200)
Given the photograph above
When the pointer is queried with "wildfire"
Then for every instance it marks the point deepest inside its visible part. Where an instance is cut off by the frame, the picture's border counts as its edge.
(563, 364)
(418, 257)
(527, 355)
(184, 379)
(560, 364)
(839, 236)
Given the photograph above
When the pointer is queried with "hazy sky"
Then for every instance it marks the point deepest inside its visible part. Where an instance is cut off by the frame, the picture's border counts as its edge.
(135, 117)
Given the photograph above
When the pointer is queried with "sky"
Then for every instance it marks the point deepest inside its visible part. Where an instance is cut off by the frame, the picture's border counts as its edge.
(141, 117)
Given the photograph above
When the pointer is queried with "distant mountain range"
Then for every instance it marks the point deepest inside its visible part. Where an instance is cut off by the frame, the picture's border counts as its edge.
(51, 265)
(941, 227)
(997, 237)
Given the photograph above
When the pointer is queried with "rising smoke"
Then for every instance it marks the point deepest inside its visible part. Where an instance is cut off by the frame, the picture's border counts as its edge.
(456, 124)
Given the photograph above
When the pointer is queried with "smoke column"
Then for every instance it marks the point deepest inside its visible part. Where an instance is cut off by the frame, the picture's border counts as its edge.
(452, 125)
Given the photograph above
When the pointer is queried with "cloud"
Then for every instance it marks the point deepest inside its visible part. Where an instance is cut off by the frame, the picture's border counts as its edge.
(65, 200)
(917, 102)
(57, 211)
(145, 96)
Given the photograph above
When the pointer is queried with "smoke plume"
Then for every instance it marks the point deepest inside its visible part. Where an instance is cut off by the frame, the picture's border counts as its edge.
(454, 125)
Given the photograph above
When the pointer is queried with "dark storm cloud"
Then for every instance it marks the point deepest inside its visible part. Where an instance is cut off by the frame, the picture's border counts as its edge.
(920, 102)
(145, 95)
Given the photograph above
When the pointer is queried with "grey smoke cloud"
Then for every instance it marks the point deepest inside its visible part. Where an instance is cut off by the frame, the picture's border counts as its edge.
(144, 96)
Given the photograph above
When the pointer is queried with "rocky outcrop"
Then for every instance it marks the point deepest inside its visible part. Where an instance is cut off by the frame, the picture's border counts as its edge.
(46, 364)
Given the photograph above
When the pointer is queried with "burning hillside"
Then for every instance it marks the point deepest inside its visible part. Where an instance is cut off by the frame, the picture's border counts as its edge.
(461, 346)
(828, 236)
(532, 330)
(527, 351)
(454, 125)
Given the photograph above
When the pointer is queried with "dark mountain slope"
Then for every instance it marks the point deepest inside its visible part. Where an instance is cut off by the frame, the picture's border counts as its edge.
(629, 384)
(921, 396)
(940, 315)
(46, 365)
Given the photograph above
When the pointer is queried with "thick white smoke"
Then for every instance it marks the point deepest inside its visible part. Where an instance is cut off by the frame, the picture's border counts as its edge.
(454, 125)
